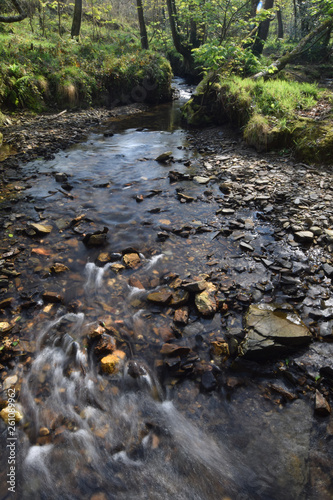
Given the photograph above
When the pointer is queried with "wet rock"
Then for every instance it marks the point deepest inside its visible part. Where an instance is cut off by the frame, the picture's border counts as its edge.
(174, 350)
(164, 157)
(60, 177)
(175, 176)
(5, 326)
(305, 237)
(58, 268)
(181, 316)
(116, 267)
(9, 413)
(322, 406)
(273, 330)
(179, 298)
(53, 297)
(201, 180)
(283, 391)
(195, 286)
(328, 270)
(105, 345)
(6, 302)
(134, 281)
(329, 235)
(96, 239)
(185, 197)
(162, 296)
(113, 363)
(41, 228)
(4, 282)
(10, 381)
(132, 260)
(220, 348)
(246, 247)
(206, 302)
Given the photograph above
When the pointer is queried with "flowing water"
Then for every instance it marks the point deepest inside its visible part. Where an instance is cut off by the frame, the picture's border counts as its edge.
(86, 435)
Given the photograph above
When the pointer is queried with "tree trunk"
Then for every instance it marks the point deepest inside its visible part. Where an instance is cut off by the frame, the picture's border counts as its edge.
(291, 56)
(14, 19)
(184, 51)
(280, 33)
(77, 17)
(142, 24)
(263, 30)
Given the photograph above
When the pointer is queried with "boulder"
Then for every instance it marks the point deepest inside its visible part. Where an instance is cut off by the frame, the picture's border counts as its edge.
(273, 330)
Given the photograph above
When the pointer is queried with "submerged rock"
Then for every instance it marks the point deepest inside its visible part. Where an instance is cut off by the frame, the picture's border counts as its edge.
(322, 406)
(273, 330)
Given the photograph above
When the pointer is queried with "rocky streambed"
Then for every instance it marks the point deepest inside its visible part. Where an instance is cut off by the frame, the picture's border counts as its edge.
(193, 268)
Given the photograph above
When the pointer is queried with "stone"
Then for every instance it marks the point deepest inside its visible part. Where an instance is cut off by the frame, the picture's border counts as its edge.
(116, 267)
(305, 237)
(194, 286)
(58, 268)
(164, 157)
(105, 345)
(174, 350)
(273, 330)
(41, 228)
(132, 260)
(9, 381)
(246, 247)
(96, 239)
(206, 302)
(53, 297)
(179, 298)
(322, 406)
(200, 179)
(5, 326)
(220, 348)
(328, 270)
(329, 235)
(113, 363)
(162, 296)
(9, 413)
(6, 302)
(181, 315)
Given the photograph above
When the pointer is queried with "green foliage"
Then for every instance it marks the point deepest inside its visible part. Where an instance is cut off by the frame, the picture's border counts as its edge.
(229, 58)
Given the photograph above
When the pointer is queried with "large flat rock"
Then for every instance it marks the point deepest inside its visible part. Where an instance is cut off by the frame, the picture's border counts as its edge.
(273, 330)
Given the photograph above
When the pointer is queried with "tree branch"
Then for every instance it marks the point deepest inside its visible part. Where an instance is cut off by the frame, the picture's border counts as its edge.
(14, 19)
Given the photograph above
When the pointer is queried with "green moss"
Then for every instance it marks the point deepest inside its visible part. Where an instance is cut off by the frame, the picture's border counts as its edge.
(314, 141)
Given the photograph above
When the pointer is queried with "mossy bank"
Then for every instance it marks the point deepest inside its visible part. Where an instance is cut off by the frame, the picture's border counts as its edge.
(272, 115)
(66, 74)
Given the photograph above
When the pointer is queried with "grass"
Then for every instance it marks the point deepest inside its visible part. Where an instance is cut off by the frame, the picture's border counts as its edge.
(40, 73)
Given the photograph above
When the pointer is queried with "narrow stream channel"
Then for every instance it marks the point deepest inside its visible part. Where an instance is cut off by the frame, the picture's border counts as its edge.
(88, 435)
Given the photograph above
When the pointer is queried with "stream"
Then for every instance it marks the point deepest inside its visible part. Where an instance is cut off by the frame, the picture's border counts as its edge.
(153, 429)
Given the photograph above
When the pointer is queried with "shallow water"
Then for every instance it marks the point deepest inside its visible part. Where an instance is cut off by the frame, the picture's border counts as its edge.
(150, 438)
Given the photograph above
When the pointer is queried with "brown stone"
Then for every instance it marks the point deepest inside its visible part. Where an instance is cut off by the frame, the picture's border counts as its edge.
(179, 298)
(181, 315)
(133, 281)
(322, 406)
(105, 345)
(6, 302)
(162, 296)
(113, 362)
(53, 297)
(174, 350)
(220, 348)
(206, 301)
(132, 260)
(58, 268)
